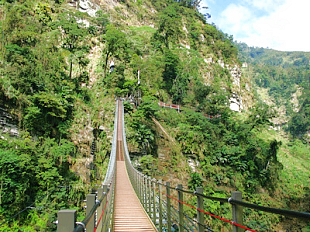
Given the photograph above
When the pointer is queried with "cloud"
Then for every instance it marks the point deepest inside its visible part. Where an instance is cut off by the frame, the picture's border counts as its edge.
(266, 5)
(235, 18)
(283, 29)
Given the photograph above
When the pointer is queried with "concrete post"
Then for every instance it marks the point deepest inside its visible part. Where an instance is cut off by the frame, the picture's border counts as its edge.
(181, 213)
(66, 220)
(200, 216)
(90, 202)
(237, 211)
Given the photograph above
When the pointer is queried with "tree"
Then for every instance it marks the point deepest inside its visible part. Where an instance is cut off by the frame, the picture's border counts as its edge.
(195, 181)
(73, 33)
(171, 68)
(101, 20)
(261, 115)
(300, 122)
(169, 28)
(115, 44)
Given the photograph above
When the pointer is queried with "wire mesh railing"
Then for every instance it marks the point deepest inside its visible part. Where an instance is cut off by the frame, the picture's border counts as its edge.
(164, 204)
(171, 217)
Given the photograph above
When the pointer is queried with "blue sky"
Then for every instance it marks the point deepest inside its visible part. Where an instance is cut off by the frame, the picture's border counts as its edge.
(277, 24)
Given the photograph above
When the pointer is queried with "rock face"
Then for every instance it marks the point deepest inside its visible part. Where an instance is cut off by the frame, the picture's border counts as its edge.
(235, 100)
(88, 7)
(85, 6)
(7, 124)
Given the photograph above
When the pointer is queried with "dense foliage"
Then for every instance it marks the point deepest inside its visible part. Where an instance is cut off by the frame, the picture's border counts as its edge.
(283, 74)
(44, 52)
(57, 83)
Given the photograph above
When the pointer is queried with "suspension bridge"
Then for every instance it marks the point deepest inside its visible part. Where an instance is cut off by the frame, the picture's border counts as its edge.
(131, 201)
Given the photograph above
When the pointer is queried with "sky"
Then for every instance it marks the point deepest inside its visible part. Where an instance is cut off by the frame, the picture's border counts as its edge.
(278, 24)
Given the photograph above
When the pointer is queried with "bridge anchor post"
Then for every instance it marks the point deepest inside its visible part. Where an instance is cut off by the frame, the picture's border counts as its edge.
(90, 202)
(200, 217)
(181, 212)
(66, 220)
(237, 211)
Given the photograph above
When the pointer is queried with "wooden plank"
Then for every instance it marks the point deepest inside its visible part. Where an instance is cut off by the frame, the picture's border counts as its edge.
(129, 214)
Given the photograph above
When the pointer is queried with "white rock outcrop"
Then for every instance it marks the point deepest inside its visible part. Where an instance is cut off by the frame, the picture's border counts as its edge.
(235, 100)
(88, 7)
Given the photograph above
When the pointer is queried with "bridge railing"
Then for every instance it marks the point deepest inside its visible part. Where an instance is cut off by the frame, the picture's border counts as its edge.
(99, 205)
(156, 198)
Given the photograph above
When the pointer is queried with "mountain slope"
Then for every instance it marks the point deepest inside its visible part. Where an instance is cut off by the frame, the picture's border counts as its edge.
(57, 82)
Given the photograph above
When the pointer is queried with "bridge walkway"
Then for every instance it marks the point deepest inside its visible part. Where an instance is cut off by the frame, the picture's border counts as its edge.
(129, 215)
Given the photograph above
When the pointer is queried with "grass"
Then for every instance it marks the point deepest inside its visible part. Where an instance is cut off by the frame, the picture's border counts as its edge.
(296, 165)
(295, 159)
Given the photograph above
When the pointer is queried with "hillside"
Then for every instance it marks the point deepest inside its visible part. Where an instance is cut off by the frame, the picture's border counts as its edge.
(58, 89)
(284, 74)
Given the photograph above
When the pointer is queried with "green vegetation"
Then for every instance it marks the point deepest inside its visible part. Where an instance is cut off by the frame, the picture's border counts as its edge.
(280, 72)
(56, 83)
(44, 66)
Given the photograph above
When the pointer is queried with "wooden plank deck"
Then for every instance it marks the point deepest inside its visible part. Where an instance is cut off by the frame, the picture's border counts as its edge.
(129, 214)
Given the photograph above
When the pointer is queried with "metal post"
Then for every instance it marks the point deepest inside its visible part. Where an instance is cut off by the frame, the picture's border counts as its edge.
(160, 211)
(149, 210)
(90, 202)
(237, 211)
(200, 217)
(142, 190)
(102, 224)
(145, 191)
(154, 201)
(136, 182)
(139, 186)
(137, 177)
(168, 206)
(134, 178)
(66, 220)
(181, 214)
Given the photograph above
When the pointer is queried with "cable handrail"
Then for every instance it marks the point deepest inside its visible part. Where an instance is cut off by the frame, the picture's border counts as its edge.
(284, 212)
(108, 181)
(291, 213)
(112, 161)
